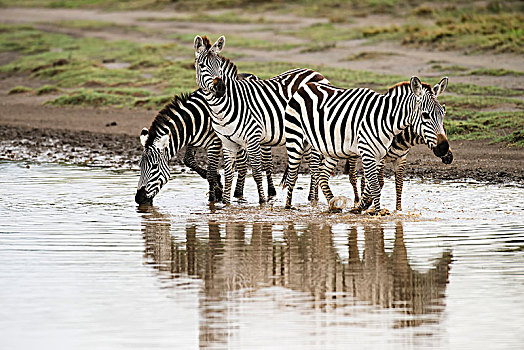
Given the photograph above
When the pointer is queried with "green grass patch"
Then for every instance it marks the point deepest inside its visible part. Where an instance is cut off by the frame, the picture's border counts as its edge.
(496, 72)
(471, 32)
(234, 17)
(507, 127)
(367, 55)
(325, 33)
(90, 4)
(107, 97)
(479, 102)
(20, 90)
(47, 89)
(449, 68)
(238, 41)
(472, 89)
(318, 47)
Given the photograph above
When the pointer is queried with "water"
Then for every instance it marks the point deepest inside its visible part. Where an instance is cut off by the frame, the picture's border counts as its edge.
(82, 268)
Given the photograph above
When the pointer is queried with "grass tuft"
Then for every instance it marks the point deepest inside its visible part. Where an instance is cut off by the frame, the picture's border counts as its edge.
(20, 90)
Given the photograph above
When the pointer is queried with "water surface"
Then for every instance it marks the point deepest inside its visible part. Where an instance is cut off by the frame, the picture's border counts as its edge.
(82, 267)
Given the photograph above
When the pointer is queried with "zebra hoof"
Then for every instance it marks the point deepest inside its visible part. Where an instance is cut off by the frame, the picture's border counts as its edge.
(289, 207)
(238, 194)
(241, 200)
(271, 192)
(381, 212)
(355, 210)
(262, 201)
(334, 210)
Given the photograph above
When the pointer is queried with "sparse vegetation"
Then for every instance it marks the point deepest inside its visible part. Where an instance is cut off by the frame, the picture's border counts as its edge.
(367, 55)
(47, 89)
(20, 90)
(239, 41)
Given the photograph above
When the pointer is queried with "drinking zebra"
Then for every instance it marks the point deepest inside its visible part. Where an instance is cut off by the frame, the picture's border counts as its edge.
(185, 121)
(341, 123)
(246, 114)
(397, 155)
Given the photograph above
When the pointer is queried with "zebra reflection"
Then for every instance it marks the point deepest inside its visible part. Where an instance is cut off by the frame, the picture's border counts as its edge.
(234, 260)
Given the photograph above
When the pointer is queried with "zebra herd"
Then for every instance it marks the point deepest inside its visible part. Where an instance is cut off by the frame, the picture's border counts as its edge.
(244, 117)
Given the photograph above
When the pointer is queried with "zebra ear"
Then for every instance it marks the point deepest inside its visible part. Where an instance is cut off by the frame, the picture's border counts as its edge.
(199, 45)
(416, 86)
(441, 86)
(144, 134)
(219, 45)
(163, 142)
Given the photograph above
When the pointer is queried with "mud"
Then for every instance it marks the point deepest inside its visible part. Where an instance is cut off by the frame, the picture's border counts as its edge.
(473, 159)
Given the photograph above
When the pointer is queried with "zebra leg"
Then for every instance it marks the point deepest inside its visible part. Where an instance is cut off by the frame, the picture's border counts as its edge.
(400, 165)
(267, 163)
(229, 161)
(315, 160)
(189, 161)
(328, 165)
(213, 178)
(372, 186)
(241, 167)
(351, 165)
(293, 163)
(253, 151)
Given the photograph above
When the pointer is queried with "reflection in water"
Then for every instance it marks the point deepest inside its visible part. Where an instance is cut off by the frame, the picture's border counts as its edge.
(238, 258)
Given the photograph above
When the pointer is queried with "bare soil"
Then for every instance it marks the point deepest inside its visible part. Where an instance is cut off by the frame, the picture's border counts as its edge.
(108, 136)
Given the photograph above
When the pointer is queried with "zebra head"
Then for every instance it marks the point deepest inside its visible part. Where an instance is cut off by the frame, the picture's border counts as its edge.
(428, 116)
(154, 169)
(208, 65)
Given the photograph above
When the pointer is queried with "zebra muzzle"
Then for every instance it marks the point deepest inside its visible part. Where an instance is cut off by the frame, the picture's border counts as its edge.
(219, 87)
(141, 197)
(448, 158)
(442, 147)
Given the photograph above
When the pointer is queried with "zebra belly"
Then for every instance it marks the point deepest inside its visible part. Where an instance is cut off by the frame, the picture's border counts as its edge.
(341, 145)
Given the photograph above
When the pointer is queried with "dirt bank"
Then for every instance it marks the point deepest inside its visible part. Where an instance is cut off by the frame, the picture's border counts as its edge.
(121, 150)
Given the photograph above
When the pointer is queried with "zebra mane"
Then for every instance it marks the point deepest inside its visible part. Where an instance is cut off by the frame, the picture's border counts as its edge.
(162, 118)
(229, 66)
(403, 84)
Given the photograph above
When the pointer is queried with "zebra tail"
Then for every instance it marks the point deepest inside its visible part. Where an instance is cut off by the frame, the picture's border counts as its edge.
(346, 168)
(283, 182)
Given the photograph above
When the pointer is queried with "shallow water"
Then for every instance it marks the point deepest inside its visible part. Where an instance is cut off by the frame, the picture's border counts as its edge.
(82, 268)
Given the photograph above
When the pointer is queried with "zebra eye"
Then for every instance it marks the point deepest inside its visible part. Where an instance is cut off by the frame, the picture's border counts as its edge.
(425, 115)
(201, 65)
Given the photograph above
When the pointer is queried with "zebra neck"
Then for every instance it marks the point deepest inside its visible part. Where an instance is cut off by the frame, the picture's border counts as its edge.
(177, 119)
(403, 107)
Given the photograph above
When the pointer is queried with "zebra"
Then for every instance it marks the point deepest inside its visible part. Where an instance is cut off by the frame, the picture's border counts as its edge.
(185, 121)
(341, 123)
(246, 114)
(397, 154)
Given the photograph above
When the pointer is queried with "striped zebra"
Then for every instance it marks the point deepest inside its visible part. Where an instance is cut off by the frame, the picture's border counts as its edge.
(185, 121)
(397, 154)
(341, 123)
(246, 114)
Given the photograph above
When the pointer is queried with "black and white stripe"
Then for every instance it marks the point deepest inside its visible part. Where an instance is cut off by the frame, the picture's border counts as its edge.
(183, 122)
(397, 155)
(341, 123)
(246, 114)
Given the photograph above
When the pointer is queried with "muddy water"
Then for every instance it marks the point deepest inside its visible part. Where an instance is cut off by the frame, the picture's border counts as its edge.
(81, 267)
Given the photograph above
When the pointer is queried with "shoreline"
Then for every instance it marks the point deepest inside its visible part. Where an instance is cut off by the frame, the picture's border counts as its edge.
(475, 160)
